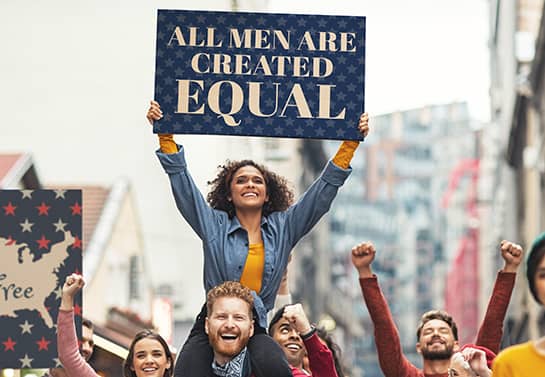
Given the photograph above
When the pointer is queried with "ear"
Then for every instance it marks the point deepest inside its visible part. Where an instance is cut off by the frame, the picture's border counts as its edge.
(206, 325)
(252, 329)
(456, 346)
(169, 364)
(418, 349)
(267, 198)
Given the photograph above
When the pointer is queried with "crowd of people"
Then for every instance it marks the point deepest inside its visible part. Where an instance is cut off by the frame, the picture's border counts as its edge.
(248, 326)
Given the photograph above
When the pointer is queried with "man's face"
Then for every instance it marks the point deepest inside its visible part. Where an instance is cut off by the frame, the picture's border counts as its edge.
(539, 281)
(436, 341)
(229, 326)
(87, 344)
(290, 342)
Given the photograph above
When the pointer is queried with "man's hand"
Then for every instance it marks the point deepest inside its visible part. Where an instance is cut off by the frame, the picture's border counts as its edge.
(363, 124)
(154, 112)
(362, 257)
(72, 285)
(477, 361)
(298, 319)
(511, 254)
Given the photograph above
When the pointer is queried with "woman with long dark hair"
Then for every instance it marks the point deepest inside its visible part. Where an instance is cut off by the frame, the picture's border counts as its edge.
(248, 225)
(149, 354)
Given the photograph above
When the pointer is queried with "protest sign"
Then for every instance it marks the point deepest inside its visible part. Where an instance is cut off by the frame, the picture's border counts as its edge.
(40, 244)
(280, 75)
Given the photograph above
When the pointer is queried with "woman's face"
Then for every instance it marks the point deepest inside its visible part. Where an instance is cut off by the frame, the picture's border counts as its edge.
(539, 280)
(149, 358)
(248, 188)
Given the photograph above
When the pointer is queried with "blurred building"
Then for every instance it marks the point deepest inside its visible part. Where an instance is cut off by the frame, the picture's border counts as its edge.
(409, 193)
(512, 194)
(118, 296)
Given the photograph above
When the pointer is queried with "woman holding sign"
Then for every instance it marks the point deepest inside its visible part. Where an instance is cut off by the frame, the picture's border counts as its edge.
(248, 226)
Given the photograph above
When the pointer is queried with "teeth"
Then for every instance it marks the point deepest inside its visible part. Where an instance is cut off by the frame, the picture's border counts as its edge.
(149, 369)
(293, 347)
(250, 194)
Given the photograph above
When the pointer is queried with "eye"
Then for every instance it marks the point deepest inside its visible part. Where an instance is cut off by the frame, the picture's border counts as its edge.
(157, 354)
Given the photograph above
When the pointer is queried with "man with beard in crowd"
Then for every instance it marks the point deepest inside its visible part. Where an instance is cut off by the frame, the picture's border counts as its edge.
(437, 333)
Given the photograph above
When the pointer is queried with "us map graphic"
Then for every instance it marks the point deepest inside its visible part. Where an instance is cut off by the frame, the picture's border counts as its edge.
(40, 244)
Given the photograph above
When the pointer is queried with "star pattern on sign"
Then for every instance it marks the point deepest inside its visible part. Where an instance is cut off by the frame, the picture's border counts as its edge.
(77, 243)
(58, 363)
(26, 327)
(76, 209)
(27, 194)
(43, 209)
(26, 362)
(9, 209)
(24, 336)
(59, 226)
(43, 243)
(43, 344)
(59, 194)
(26, 226)
(174, 63)
(9, 345)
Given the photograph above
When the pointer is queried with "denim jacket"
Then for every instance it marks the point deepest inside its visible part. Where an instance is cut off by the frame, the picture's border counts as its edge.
(225, 242)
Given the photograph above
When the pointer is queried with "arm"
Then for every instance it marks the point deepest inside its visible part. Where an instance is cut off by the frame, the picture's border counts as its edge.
(320, 358)
(67, 342)
(189, 199)
(316, 201)
(392, 361)
(491, 329)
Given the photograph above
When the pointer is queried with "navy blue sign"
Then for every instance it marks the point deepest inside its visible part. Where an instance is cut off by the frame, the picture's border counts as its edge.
(40, 244)
(280, 75)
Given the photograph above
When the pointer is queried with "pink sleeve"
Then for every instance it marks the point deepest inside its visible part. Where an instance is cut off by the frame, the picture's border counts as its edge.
(390, 355)
(67, 346)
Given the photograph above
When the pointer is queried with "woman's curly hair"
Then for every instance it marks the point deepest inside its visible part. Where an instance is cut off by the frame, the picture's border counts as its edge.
(280, 195)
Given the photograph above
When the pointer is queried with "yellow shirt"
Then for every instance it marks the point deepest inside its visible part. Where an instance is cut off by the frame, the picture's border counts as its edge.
(252, 275)
(521, 360)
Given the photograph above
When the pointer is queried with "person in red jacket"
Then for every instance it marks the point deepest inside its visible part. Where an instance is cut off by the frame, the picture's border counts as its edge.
(437, 333)
(291, 329)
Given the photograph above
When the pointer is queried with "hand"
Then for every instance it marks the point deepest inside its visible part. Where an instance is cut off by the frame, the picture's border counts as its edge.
(72, 285)
(511, 254)
(154, 112)
(362, 257)
(297, 317)
(477, 361)
(363, 124)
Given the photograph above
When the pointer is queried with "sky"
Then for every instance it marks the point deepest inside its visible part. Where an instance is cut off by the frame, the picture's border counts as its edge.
(76, 77)
(418, 52)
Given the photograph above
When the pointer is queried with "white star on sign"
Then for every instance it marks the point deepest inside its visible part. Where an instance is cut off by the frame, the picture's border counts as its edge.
(57, 362)
(26, 226)
(59, 226)
(26, 362)
(27, 194)
(59, 194)
(25, 327)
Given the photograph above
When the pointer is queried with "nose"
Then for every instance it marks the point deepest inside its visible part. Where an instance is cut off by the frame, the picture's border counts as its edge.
(294, 335)
(86, 347)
